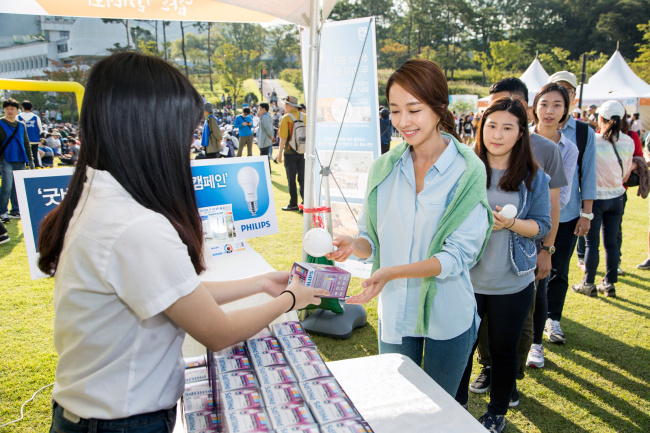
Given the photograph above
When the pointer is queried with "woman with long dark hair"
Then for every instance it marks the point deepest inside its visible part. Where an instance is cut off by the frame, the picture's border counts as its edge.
(614, 152)
(504, 289)
(424, 225)
(126, 246)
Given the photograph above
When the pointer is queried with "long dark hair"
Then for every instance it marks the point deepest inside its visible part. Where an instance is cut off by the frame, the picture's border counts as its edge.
(521, 165)
(612, 129)
(425, 80)
(548, 88)
(137, 119)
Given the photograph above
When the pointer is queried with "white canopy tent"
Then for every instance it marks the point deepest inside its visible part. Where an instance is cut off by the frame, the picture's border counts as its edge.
(534, 77)
(616, 80)
(306, 13)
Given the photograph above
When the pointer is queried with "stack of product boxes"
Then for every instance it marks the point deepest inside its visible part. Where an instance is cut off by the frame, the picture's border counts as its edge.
(275, 382)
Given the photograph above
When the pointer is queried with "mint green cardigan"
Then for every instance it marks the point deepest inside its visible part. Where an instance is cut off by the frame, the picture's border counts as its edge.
(471, 191)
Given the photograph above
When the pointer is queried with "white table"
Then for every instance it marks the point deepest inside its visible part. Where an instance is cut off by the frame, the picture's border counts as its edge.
(395, 395)
(390, 391)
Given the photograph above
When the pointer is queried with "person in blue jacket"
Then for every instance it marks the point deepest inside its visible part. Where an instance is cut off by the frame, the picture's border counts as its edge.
(15, 153)
(504, 277)
(244, 123)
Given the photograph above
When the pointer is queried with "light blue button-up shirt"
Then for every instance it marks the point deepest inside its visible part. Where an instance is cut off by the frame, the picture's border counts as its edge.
(586, 191)
(406, 225)
(569, 152)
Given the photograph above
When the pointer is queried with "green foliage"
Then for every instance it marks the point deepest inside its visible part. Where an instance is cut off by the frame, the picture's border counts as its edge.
(150, 48)
(393, 54)
(641, 64)
(294, 76)
(505, 59)
(234, 66)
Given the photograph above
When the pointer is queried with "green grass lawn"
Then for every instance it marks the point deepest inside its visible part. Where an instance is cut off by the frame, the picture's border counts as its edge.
(598, 382)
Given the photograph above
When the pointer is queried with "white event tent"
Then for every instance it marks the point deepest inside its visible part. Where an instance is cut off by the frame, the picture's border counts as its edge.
(305, 13)
(616, 80)
(534, 77)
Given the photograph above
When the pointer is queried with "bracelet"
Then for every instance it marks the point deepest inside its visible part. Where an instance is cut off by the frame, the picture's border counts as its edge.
(513, 223)
(294, 299)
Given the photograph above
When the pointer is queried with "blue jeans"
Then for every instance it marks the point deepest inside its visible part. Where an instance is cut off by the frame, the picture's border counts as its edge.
(153, 422)
(444, 360)
(8, 189)
(608, 215)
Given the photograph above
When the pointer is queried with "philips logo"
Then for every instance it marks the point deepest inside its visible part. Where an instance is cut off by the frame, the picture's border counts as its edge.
(255, 226)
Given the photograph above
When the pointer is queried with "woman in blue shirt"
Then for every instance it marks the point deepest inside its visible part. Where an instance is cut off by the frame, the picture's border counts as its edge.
(424, 225)
(504, 289)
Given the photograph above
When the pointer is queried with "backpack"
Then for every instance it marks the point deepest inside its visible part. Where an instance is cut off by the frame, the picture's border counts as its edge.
(298, 134)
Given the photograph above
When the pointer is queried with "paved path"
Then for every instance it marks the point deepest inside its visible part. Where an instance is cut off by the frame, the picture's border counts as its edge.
(269, 86)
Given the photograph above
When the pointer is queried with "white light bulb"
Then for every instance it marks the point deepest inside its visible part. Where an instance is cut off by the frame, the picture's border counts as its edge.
(318, 242)
(508, 211)
(248, 179)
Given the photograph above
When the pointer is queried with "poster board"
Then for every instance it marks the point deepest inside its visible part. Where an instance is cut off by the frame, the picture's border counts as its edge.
(224, 198)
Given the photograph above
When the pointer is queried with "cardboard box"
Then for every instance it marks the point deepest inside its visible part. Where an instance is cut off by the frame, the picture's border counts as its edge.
(332, 278)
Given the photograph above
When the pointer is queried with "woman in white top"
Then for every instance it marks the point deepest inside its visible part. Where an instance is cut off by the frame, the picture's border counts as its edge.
(613, 165)
(126, 245)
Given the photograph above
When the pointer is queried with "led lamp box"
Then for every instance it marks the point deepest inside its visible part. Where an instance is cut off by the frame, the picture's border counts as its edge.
(331, 278)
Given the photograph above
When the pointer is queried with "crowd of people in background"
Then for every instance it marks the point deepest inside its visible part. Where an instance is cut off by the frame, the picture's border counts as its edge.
(586, 159)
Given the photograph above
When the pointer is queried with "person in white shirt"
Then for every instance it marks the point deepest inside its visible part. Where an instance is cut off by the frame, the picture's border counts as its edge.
(126, 247)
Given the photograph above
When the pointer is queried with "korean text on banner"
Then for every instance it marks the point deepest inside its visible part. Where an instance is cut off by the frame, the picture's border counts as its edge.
(234, 197)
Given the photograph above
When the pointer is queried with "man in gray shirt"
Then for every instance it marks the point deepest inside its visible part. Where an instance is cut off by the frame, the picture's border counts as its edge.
(548, 156)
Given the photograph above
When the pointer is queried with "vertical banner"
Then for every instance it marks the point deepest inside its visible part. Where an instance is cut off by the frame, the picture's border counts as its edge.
(234, 197)
(347, 130)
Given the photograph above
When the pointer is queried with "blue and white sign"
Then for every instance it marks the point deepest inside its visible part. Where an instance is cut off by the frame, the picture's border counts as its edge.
(234, 197)
(347, 130)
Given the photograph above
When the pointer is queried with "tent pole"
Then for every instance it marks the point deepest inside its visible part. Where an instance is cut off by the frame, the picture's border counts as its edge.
(311, 103)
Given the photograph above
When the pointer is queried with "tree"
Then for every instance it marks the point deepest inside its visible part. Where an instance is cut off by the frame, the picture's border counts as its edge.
(126, 25)
(235, 66)
(207, 27)
(284, 47)
(183, 48)
(504, 60)
(394, 53)
(641, 64)
(77, 72)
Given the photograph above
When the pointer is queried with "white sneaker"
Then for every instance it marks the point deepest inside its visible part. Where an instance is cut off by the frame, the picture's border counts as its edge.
(535, 356)
(554, 332)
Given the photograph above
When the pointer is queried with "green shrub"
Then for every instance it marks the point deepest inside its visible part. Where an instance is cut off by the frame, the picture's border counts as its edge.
(294, 76)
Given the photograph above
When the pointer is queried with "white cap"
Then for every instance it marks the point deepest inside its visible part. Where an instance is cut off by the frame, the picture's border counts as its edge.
(577, 110)
(567, 76)
(611, 108)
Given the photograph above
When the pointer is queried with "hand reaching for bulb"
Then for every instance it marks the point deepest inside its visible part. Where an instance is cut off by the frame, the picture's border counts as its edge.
(372, 287)
(346, 246)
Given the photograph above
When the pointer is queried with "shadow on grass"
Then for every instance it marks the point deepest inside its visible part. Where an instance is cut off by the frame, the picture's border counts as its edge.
(629, 276)
(282, 187)
(618, 301)
(16, 239)
(622, 416)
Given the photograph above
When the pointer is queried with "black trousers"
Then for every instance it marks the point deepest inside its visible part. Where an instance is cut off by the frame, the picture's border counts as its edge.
(558, 280)
(506, 314)
(294, 164)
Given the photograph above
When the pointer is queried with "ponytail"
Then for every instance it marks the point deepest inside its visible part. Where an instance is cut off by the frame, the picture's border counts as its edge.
(613, 129)
(448, 123)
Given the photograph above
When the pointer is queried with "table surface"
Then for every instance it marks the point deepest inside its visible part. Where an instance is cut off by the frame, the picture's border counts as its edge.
(395, 395)
(390, 391)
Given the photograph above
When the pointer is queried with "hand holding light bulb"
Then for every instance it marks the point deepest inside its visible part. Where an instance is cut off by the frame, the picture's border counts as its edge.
(508, 211)
(318, 242)
(248, 179)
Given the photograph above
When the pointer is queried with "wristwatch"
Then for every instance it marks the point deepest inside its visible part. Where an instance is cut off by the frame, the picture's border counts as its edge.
(589, 216)
(551, 249)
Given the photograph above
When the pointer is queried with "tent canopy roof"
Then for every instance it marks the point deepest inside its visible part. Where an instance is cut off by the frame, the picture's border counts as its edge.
(535, 76)
(615, 80)
(248, 11)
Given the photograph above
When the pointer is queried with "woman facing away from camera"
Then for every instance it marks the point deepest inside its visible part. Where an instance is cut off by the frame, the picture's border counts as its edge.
(614, 152)
(126, 245)
(504, 278)
(424, 225)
